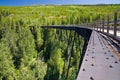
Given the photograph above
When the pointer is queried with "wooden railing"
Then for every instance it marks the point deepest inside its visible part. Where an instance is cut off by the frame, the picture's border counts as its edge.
(110, 22)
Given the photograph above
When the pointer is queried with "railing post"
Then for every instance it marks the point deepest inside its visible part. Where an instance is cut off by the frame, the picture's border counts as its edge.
(94, 26)
(108, 26)
(97, 26)
(115, 23)
(87, 24)
(103, 25)
(100, 27)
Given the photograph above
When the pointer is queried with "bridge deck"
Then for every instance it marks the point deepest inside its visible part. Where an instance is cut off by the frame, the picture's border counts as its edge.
(99, 62)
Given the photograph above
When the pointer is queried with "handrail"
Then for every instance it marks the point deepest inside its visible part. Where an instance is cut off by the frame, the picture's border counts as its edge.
(100, 25)
(110, 21)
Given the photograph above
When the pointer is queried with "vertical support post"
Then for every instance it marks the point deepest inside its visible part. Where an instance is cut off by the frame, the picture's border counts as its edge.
(115, 24)
(100, 27)
(108, 26)
(87, 24)
(94, 25)
(103, 25)
(97, 26)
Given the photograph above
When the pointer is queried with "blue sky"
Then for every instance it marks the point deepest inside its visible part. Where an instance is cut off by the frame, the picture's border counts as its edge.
(33, 2)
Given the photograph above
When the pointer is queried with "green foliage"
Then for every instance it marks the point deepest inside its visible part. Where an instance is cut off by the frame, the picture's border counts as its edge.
(7, 70)
(56, 62)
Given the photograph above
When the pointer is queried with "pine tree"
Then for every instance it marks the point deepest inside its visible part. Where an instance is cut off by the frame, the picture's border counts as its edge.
(7, 70)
